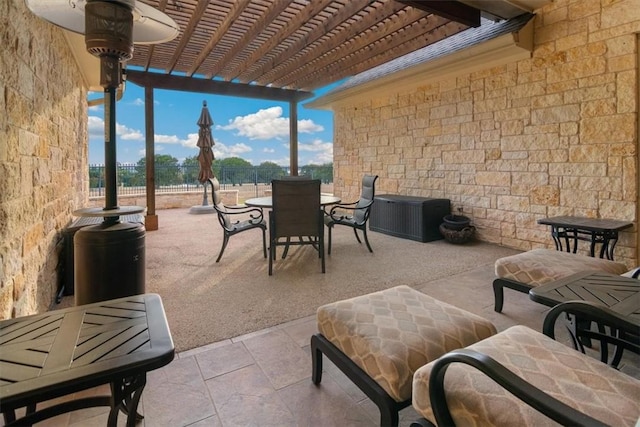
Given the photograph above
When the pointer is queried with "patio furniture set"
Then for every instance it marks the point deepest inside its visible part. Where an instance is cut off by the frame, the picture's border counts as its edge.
(298, 211)
(402, 347)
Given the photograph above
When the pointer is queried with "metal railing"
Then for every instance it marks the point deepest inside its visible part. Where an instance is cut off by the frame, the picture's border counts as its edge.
(181, 178)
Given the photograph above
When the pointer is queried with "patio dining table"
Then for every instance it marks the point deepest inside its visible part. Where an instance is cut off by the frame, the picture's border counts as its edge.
(267, 201)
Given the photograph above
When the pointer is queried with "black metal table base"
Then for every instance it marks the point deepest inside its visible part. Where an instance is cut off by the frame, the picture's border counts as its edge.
(125, 396)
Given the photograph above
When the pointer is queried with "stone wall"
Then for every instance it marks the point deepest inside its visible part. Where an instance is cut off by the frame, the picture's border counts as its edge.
(552, 135)
(43, 156)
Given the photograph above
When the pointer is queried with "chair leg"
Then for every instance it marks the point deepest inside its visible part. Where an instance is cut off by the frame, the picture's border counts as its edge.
(286, 248)
(498, 290)
(272, 254)
(225, 240)
(316, 361)
(366, 239)
(355, 231)
(264, 242)
(329, 248)
(388, 407)
(321, 251)
(498, 295)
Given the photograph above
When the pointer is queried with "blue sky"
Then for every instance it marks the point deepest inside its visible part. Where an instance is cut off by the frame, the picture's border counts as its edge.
(253, 129)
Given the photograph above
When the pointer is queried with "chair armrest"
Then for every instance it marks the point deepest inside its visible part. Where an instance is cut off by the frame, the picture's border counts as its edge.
(334, 214)
(527, 393)
(256, 214)
(623, 334)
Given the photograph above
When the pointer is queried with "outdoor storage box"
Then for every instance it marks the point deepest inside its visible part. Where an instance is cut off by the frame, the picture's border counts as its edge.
(409, 217)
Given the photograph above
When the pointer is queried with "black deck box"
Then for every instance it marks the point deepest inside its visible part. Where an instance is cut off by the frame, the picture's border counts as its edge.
(409, 217)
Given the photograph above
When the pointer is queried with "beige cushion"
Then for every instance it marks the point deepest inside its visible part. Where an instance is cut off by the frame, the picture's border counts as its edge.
(540, 266)
(391, 333)
(580, 381)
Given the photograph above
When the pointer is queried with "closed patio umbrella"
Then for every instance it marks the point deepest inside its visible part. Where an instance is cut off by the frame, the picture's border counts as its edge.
(205, 157)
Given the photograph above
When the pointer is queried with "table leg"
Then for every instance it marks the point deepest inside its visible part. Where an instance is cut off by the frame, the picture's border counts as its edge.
(126, 394)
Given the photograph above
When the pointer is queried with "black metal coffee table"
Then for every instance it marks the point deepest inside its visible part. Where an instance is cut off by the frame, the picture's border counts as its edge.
(61, 352)
(617, 293)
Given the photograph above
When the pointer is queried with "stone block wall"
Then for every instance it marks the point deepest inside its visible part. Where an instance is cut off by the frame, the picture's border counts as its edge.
(43, 156)
(556, 134)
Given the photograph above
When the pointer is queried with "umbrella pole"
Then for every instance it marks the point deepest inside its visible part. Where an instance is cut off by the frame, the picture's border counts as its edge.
(205, 201)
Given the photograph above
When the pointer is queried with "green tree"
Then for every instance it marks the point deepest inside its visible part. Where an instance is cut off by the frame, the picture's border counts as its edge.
(322, 172)
(96, 176)
(167, 170)
(268, 171)
(127, 176)
(190, 170)
(234, 170)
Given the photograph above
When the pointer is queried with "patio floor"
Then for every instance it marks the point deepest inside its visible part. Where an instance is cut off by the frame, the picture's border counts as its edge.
(264, 378)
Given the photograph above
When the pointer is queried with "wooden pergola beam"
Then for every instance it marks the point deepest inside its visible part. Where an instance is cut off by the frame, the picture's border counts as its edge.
(216, 87)
(453, 10)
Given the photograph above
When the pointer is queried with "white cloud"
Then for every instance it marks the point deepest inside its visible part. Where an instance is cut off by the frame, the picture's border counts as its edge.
(322, 152)
(267, 124)
(268, 150)
(138, 102)
(95, 126)
(316, 145)
(307, 126)
(221, 151)
(128, 134)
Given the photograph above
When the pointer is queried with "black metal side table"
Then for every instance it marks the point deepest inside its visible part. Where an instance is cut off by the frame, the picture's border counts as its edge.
(593, 230)
(61, 352)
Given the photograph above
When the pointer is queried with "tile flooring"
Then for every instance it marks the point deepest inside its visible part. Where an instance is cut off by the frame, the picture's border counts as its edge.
(264, 378)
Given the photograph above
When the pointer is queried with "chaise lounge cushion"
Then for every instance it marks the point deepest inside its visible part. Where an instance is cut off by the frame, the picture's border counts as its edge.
(540, 266)
(580, 381)
(391, 333)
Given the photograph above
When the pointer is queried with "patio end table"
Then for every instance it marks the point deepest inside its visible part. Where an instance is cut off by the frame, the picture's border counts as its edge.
(594, 230)
(60, 352)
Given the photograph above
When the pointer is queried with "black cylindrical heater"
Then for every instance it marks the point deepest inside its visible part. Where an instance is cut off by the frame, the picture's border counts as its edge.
(109, 261)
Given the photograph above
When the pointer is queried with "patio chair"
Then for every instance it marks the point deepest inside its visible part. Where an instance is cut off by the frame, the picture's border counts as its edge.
(355, 214)
(296, 213)
(248, 218)
(522, 377)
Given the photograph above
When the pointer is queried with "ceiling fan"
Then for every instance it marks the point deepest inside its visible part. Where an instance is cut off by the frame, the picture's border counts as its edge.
(110, 28)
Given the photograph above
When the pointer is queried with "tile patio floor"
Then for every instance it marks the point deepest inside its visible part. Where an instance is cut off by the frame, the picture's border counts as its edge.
(264, 378)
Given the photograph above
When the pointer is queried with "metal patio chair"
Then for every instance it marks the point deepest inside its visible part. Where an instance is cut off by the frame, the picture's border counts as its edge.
(296, 213)
(355, 214)
(236, 219)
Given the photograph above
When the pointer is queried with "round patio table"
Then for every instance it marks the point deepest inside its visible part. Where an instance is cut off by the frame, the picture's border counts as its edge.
(267, 201)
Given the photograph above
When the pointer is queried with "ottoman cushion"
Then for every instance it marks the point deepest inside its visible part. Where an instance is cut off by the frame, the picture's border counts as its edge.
(578, 380)
(539, 266)
(391, 333)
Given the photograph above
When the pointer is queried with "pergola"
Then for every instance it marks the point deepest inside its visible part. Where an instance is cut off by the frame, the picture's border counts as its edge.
(283, 49)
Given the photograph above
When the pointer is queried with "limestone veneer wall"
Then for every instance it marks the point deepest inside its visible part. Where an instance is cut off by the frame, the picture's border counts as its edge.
(552, 135)
(43, 152)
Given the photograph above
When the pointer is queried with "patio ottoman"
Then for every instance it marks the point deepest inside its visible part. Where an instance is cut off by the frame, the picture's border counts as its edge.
(379, 340)
(536, 267)
(474, 396)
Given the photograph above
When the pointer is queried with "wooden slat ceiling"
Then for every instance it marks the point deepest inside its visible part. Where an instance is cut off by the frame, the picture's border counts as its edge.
(290, 44)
